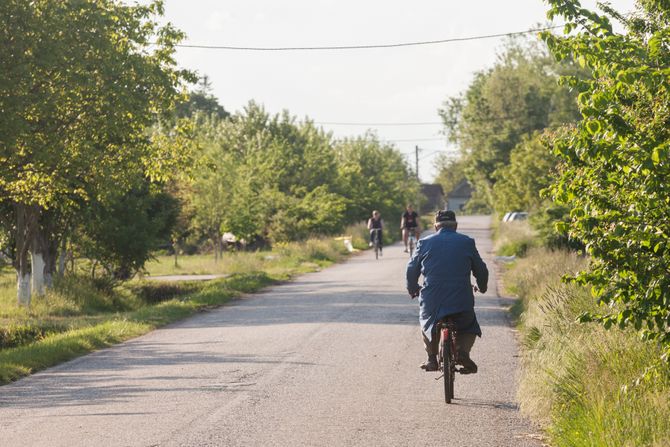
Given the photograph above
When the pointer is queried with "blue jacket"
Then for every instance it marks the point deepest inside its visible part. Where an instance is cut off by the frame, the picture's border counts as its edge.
(446, 260)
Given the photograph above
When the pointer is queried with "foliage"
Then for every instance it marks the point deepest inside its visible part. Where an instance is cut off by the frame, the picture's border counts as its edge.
(121, 234)
(497, 120)
(513, 238)
(373, 176)
(201, 101)
(70, 132)
(270, 178)
(578, 380)
(617, 161)
(450, 171)
(531, 169)
(82, 84)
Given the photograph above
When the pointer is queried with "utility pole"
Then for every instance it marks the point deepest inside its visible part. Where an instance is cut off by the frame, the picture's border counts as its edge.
(416, 157)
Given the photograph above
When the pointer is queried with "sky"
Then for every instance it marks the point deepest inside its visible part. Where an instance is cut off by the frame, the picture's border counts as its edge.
(394, 85)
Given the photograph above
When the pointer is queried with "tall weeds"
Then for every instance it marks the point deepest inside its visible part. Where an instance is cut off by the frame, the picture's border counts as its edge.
(578, 379)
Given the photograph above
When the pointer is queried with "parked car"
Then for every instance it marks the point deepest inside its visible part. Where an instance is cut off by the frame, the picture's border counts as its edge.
(515, 215)
(519, 215)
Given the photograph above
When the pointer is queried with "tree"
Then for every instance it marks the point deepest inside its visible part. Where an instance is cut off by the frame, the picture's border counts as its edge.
(532, 167)
(373, 176)
(502, 107)
(201, 101)
(617, 160)
(120, 234)
(450, 171)
(81, 83)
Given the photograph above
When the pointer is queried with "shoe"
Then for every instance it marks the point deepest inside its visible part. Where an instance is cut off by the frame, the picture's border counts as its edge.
(430, 364)
(469, 367)
(406, 250)
(370, 244)
(380, 252)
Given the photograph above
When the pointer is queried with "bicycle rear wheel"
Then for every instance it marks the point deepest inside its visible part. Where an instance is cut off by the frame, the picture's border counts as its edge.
(448, 368)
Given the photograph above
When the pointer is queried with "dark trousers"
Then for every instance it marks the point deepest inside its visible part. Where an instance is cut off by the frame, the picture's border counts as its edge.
(372, 236)
(464, 342)
(467, 329)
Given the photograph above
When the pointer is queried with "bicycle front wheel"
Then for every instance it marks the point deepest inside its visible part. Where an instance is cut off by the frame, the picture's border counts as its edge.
(448, 369)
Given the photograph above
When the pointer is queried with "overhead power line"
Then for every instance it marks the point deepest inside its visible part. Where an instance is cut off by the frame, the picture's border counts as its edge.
(420, 123)
(368, 46)
(411, 140)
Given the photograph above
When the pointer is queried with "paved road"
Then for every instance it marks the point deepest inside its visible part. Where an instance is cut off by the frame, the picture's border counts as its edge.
(328, 360)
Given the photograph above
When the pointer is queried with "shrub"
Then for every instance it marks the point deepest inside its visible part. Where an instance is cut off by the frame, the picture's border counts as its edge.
(156, 292)
(513, 238)
(22, 334)
(578, 379)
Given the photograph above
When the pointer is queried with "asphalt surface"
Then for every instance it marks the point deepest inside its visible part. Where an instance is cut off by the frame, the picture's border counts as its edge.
(327, 360)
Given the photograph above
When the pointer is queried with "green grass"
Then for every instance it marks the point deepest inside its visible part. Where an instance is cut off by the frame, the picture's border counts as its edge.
(513, 238)
(578, 380)
(76, 318)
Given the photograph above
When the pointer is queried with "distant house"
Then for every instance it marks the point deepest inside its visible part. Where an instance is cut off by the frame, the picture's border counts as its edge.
(459, 196)
(434, 195)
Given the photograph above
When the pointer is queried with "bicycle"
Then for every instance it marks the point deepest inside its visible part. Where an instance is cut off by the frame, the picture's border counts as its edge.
(376, 242)
(411, 240)
(447, 356)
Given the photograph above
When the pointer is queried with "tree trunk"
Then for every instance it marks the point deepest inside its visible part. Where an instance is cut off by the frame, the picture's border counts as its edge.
(43, 251)
(37, 278)
(175, 248)
(26, 225)
(62, 258)
(215, 246)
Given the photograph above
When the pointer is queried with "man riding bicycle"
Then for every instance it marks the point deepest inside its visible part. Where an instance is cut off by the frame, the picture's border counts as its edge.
(409, 222)
(446, 259)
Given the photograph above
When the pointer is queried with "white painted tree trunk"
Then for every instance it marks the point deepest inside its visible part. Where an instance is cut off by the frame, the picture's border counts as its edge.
(37, 263)
(23, 289)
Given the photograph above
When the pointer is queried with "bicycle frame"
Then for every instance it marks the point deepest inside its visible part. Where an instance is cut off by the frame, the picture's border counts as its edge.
(411, 241)
(447, 349)
(376, 241)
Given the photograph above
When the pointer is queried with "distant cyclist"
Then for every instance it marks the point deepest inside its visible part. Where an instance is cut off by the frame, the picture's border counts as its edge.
(409, 222)
(375, 223)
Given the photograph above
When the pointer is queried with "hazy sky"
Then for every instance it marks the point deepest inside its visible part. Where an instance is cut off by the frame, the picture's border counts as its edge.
(363, 86)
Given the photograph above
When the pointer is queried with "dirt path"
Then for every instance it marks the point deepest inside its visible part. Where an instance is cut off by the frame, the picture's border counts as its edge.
(328, 360)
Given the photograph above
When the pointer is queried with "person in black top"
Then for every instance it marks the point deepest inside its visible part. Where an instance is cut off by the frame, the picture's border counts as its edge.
(376, 223)
(409, 222)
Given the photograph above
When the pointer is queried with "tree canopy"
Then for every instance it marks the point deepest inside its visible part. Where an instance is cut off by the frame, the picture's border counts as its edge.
(616, 161)
(82, 83)
(503, 109)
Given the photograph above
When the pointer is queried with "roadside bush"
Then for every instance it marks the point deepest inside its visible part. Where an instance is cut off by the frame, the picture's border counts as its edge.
(82, 295)
(578, 379)
(513, 238)
(156, 292)
(22, 334)
(360, 235)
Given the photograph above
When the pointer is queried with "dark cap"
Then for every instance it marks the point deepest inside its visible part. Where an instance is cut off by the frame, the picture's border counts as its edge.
(445, 216)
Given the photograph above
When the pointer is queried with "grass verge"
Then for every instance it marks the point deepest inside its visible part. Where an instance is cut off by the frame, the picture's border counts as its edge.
(578, 380)
(77, 318)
